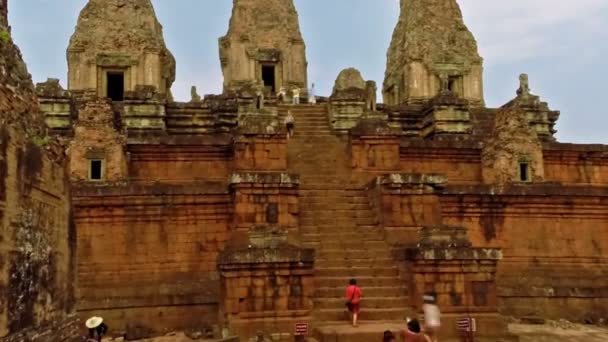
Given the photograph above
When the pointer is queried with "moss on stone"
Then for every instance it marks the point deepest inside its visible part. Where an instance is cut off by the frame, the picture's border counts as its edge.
(5, 36)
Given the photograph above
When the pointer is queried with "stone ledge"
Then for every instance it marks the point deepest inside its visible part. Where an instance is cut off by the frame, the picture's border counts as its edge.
(110, 189)
(534, 189)
(139, 138)
(452, 254)
(266, 257)
(273, 178)
(400, 179)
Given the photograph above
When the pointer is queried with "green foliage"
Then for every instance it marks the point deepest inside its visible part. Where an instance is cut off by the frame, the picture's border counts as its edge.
(5, 36)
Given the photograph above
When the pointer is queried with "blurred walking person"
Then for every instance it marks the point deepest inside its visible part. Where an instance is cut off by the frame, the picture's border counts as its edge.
(432, 316)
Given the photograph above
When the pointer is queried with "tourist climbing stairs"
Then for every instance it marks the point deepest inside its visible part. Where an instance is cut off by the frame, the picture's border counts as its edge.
(336, 219)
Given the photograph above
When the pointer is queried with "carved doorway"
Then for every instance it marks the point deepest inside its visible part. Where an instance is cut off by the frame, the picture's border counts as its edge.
(269, 77)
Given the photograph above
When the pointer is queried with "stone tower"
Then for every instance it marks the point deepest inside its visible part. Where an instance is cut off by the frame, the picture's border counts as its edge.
(3, 13)
(263, 45)
(117, 46)
(432, 50)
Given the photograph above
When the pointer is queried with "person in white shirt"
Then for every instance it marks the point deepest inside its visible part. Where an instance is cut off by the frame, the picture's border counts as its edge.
(296, 96)
(311, 95)
(432, 316)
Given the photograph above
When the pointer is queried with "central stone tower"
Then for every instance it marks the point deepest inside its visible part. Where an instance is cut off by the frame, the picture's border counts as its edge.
(432, 51)
(263, 46)
(118, 45)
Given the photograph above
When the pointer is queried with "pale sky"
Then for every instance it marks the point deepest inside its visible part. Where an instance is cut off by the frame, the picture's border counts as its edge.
(561, 44)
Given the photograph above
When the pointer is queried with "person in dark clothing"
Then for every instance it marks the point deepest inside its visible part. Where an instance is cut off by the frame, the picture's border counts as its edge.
(388, 336)
(97, 329)
(413, 332)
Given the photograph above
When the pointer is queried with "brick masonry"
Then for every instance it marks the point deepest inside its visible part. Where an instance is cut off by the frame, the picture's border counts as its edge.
(37, 244)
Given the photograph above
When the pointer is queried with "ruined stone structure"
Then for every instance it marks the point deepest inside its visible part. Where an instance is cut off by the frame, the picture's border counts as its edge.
(432, 51)
(118, 46)
(264, 47)
(37, 238)
(204, 215)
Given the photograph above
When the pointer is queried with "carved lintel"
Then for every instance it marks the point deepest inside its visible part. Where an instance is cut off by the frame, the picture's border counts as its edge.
(115, 60)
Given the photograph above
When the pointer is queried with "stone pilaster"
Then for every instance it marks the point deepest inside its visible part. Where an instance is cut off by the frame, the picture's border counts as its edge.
(446, 114)
(264, 199)
(407, 202)
(462, 278)
(267, 286)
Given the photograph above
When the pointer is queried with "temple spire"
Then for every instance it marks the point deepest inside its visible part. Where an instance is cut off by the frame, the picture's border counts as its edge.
(264, 46)
(432, 49)
(118, 45)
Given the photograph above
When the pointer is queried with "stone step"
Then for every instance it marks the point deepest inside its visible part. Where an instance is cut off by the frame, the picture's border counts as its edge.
(350, 245)
(342, 236)
(376, 262)
(366, 331)
(358, 253)
(363, 282)
(366, 314)
(353, 272)
(375, 291)
(313, 205)
(367, 302)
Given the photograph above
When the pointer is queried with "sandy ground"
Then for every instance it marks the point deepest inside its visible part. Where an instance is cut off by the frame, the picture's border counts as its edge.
(547, 333)
(527, 333)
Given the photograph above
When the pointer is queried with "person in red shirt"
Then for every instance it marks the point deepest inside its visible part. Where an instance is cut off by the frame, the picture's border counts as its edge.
(353, 296)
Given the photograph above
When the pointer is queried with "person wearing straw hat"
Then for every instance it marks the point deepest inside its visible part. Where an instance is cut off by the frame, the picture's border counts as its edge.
(97, 328)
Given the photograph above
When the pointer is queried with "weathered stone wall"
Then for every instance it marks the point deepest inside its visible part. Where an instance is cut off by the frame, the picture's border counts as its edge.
(268, 289)
(37, 265)
(97, 138)
(150, 251)
(576, 164)
(554, 241)
(149, 160)
(460, 161)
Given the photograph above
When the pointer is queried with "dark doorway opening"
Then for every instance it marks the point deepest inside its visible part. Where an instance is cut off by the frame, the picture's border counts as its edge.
(96, 170)
(268, 76)
(453, 84)
(524, 172)
(116, 86)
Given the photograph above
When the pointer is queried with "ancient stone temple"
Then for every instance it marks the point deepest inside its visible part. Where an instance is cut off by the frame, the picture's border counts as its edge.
(208, 216)
(264, 47)
(118, 46)
(37, 234)
(432, 51)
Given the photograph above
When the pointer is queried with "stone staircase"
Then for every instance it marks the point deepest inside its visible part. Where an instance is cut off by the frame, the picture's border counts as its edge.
(337, 220)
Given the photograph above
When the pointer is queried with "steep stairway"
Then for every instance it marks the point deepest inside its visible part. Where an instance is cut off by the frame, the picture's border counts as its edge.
(337, 220)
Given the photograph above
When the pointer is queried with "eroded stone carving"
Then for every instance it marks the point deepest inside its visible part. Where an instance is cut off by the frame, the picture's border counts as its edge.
(513, 152)
(541, 118)
(263, 44)
(194, 96)
(432, 50)
(122, 38)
